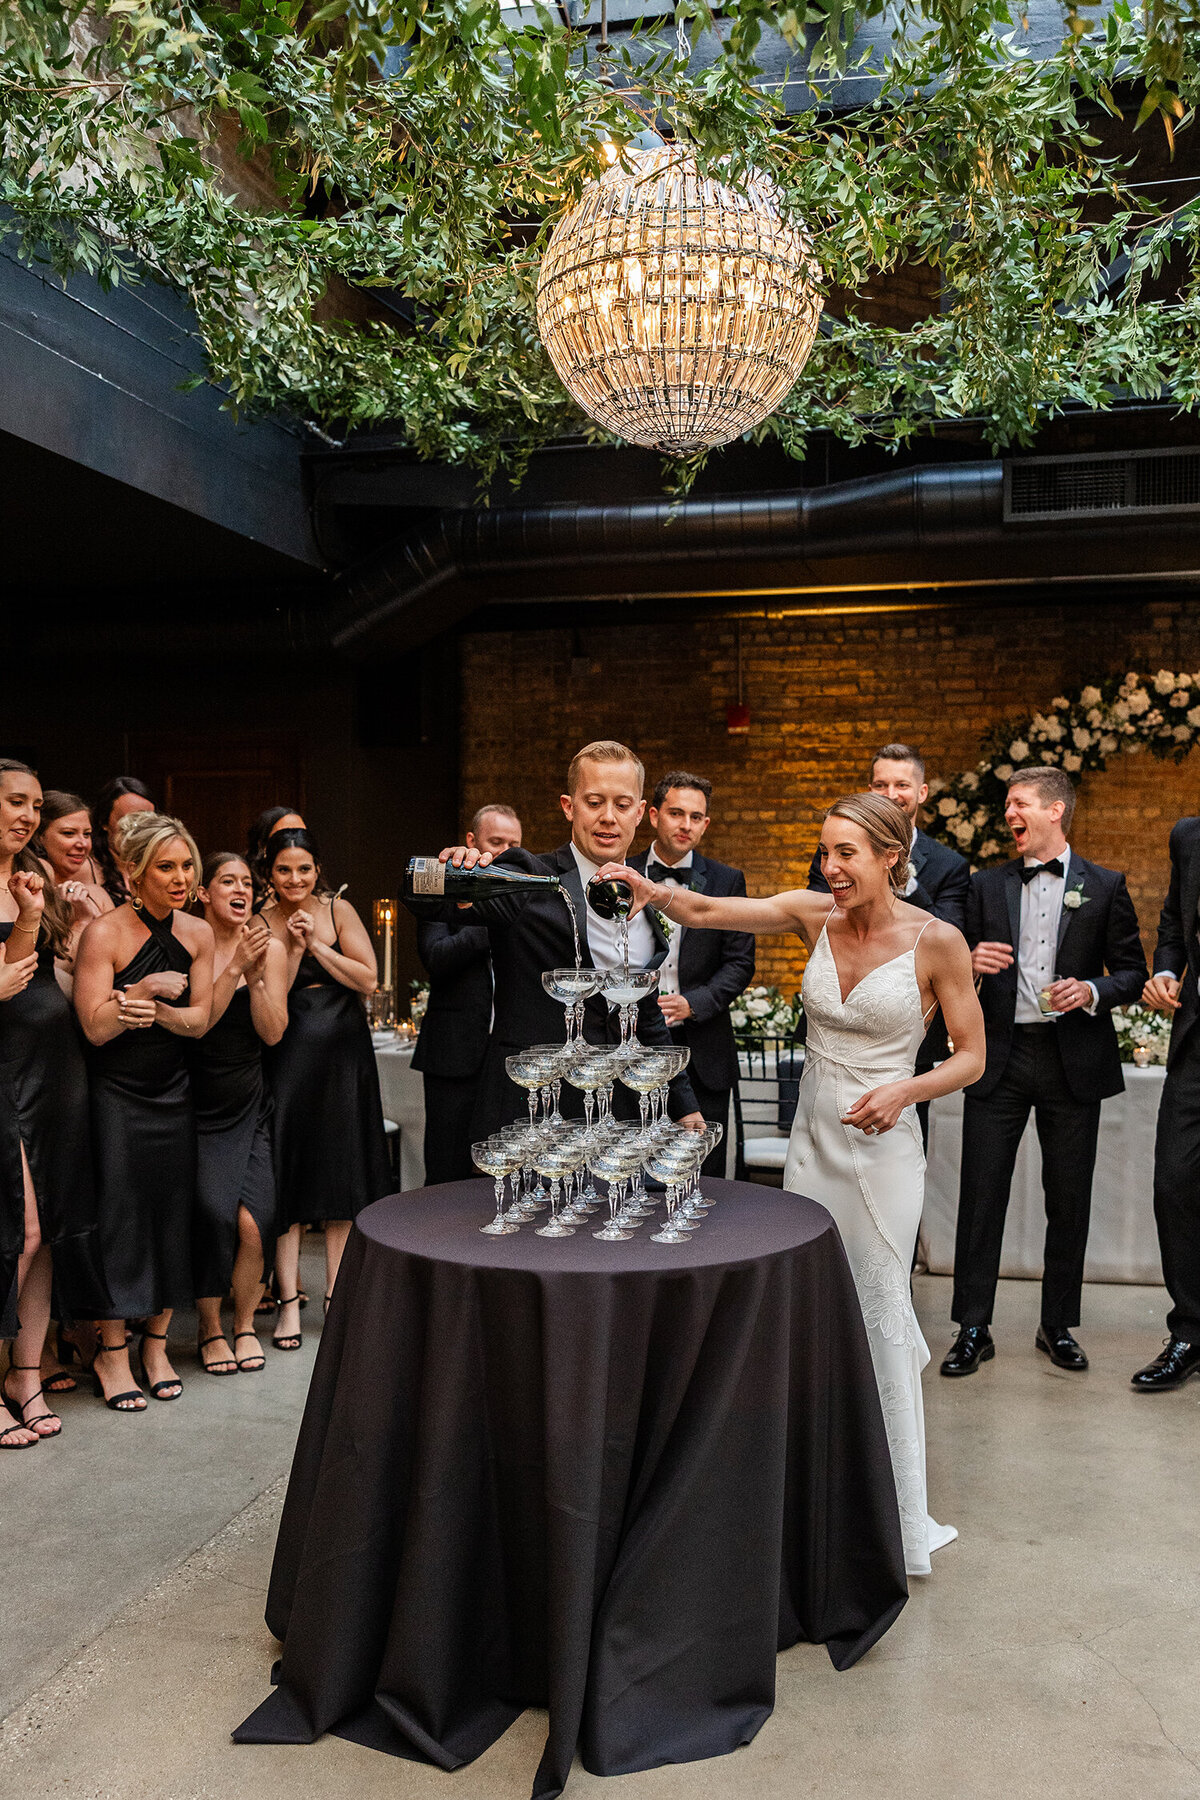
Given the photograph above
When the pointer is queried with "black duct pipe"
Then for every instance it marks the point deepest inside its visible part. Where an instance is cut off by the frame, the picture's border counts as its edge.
(909, 509)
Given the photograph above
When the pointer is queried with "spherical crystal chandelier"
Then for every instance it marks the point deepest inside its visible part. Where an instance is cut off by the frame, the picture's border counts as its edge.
(677, 311)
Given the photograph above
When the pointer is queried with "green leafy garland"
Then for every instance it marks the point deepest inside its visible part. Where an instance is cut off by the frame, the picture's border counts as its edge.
(436, 188)
(1079, 731)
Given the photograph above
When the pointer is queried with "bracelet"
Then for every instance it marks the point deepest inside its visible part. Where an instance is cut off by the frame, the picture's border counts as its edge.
(665, 908)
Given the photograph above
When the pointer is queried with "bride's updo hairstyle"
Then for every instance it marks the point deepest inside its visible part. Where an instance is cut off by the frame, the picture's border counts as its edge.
(888, 827)
(140, 837)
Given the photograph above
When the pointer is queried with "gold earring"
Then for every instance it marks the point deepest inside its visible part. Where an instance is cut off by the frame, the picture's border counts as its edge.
(135, 899)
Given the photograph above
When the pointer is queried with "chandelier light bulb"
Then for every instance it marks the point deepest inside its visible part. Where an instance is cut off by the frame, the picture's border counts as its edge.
(677, 311)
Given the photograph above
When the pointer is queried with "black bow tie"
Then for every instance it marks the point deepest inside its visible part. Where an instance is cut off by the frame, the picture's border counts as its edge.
(656, 871)
(1054, 867)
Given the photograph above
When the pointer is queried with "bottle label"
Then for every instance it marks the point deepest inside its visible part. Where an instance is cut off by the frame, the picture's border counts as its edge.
(428, 875)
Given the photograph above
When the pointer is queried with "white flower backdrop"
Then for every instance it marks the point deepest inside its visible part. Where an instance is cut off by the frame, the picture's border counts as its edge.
(1079, 731)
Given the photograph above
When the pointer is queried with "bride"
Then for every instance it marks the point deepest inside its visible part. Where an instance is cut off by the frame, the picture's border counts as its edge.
(878, 969)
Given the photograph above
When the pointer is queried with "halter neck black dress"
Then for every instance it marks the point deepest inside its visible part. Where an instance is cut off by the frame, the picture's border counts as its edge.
(43, 1077)
(144, 1134)
(330, 1150)
(234, 1160)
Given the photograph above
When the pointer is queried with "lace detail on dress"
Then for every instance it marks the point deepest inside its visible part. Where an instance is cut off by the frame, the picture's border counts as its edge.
(883, 1294)
(907, 1469)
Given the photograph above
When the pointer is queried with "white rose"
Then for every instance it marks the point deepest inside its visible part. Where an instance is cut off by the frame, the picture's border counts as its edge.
(1152, 719)
(1182, 733)
(1038, 726)
(1121, 709)
(1095, 716)
(1072, 763)
(989, 848)
(963, 831)
(1003, 771)
(979, 817)
(1091, 696)
(1073, 900)
(758, 1009)
(1047, 756)
(1054, 730)
(1108, 743)
(1164, 681)
(1060, 703)
(970, 782)
(1082, 738)
(1139, 702)
(1180, 697)
(1019, 749)
(947, 807)
(1193, 717)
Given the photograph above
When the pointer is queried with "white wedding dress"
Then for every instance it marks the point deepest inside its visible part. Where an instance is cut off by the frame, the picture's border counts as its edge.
(874, 1187)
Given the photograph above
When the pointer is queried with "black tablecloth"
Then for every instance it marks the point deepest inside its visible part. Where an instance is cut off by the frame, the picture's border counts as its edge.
(608, 1479)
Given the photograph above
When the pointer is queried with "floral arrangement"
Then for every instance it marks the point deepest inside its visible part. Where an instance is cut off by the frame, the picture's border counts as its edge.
(763, 1012)
(1078, 731)
(1142, 1028)
(419, 1001)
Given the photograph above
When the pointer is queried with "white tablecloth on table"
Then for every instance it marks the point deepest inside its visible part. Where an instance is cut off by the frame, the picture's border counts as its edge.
(402, 1090)
(1122, 1242)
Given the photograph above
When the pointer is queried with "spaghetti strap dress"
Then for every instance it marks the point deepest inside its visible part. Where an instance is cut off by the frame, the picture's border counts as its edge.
(330, 1150)
(144, 1135)
(235, 1164)
(43, 1078)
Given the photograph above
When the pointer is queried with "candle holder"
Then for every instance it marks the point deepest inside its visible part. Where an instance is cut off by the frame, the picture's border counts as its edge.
(383, 1008)
(1141, 1056)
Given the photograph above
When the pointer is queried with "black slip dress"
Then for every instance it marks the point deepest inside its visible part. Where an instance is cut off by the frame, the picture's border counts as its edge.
(43, 1077)
(330, 1150)
(144, 1137)
(234, 1156)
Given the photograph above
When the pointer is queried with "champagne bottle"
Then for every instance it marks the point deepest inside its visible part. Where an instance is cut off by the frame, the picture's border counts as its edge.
(611, 899)
(427, 878)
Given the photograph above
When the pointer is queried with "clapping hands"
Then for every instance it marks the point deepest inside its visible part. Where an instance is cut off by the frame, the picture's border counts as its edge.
(252, 944)
(302, 927)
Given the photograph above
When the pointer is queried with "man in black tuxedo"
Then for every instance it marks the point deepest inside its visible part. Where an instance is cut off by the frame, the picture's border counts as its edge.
(703, 971)
(458, 1018)
(1173, 988)
(938, 881)
(1043, 929)
(604, 805)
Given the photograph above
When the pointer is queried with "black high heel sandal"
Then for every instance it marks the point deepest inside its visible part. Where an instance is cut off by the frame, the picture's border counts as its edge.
(289, 1341)
(168, 1381)
(221, 1365)
(61, 1381)
(21, 1407)
(249, 1365)
(115, 1404)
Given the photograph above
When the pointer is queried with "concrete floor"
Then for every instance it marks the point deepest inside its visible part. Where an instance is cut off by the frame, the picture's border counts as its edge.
(1054, 1650)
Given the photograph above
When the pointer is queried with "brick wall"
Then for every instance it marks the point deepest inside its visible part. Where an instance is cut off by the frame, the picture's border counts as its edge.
(822, 692)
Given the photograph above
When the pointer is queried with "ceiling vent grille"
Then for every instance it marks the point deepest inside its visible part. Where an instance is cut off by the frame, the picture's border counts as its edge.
(1060, 487)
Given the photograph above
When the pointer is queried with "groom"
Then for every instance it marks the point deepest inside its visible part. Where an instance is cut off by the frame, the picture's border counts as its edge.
(604, 805)
(1043, 929)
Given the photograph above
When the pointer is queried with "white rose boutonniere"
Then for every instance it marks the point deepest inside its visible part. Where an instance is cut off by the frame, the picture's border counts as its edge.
(1075, 897)
(667, 926)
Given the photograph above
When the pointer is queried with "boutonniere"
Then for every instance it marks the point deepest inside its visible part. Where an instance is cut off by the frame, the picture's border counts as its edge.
(1075, 897)
(664, 924)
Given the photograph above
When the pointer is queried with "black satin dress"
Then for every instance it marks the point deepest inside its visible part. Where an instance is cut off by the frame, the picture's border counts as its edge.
(234, 1159)
(43, 1077)
(144, 1135)
(12, 1207)
(330, 1150)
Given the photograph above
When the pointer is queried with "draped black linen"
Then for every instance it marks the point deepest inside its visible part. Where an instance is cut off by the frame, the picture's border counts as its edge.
(608, 1480)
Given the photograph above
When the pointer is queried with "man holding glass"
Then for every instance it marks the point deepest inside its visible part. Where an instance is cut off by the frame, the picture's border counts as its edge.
(1043, 931)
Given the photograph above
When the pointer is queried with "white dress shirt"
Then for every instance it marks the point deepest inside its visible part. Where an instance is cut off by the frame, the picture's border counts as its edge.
(910, 886)
(668, 971)
(604, 935)
(1037, 946)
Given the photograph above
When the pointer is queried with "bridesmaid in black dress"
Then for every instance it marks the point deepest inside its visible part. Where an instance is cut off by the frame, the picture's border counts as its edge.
(330, 1150)
(275, 818)
(123, 795)
(143, 989)
(44, 1078)
(235, 1180)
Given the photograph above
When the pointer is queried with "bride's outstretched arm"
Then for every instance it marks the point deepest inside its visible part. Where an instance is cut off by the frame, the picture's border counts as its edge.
(797, 910)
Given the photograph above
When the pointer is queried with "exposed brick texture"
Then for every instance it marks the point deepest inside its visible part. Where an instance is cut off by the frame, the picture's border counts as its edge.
(823, 692)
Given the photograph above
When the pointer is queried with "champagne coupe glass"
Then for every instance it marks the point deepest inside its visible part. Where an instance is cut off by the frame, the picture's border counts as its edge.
(649, 1073)
(573, 1146)
(554, 1160)
(675, 1167)
(623, 989)
(528, 1068)
(521, 1139)
(611, 1166)
(497, 1159)
(571, 987)
(680, 1056)
(555, 1059)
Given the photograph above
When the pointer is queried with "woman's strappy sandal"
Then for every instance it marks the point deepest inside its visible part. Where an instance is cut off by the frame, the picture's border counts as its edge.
(249, 1365)
(117, 1403)
(220, 1365)
(292, 1342)
(22, 1407)
(168, 1381)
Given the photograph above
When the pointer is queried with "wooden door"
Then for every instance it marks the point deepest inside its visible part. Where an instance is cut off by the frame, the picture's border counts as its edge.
(218, 786)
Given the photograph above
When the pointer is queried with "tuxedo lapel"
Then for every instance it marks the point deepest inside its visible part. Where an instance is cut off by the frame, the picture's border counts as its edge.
(1012, 897)
(568, 872)
(1078, 877)
(1190, 888)
(699, 874)
(918, 856)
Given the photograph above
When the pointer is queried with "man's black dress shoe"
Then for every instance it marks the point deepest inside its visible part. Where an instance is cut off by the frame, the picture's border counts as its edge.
(1060, 1347)
(972, 1346)
(1168, 1370)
